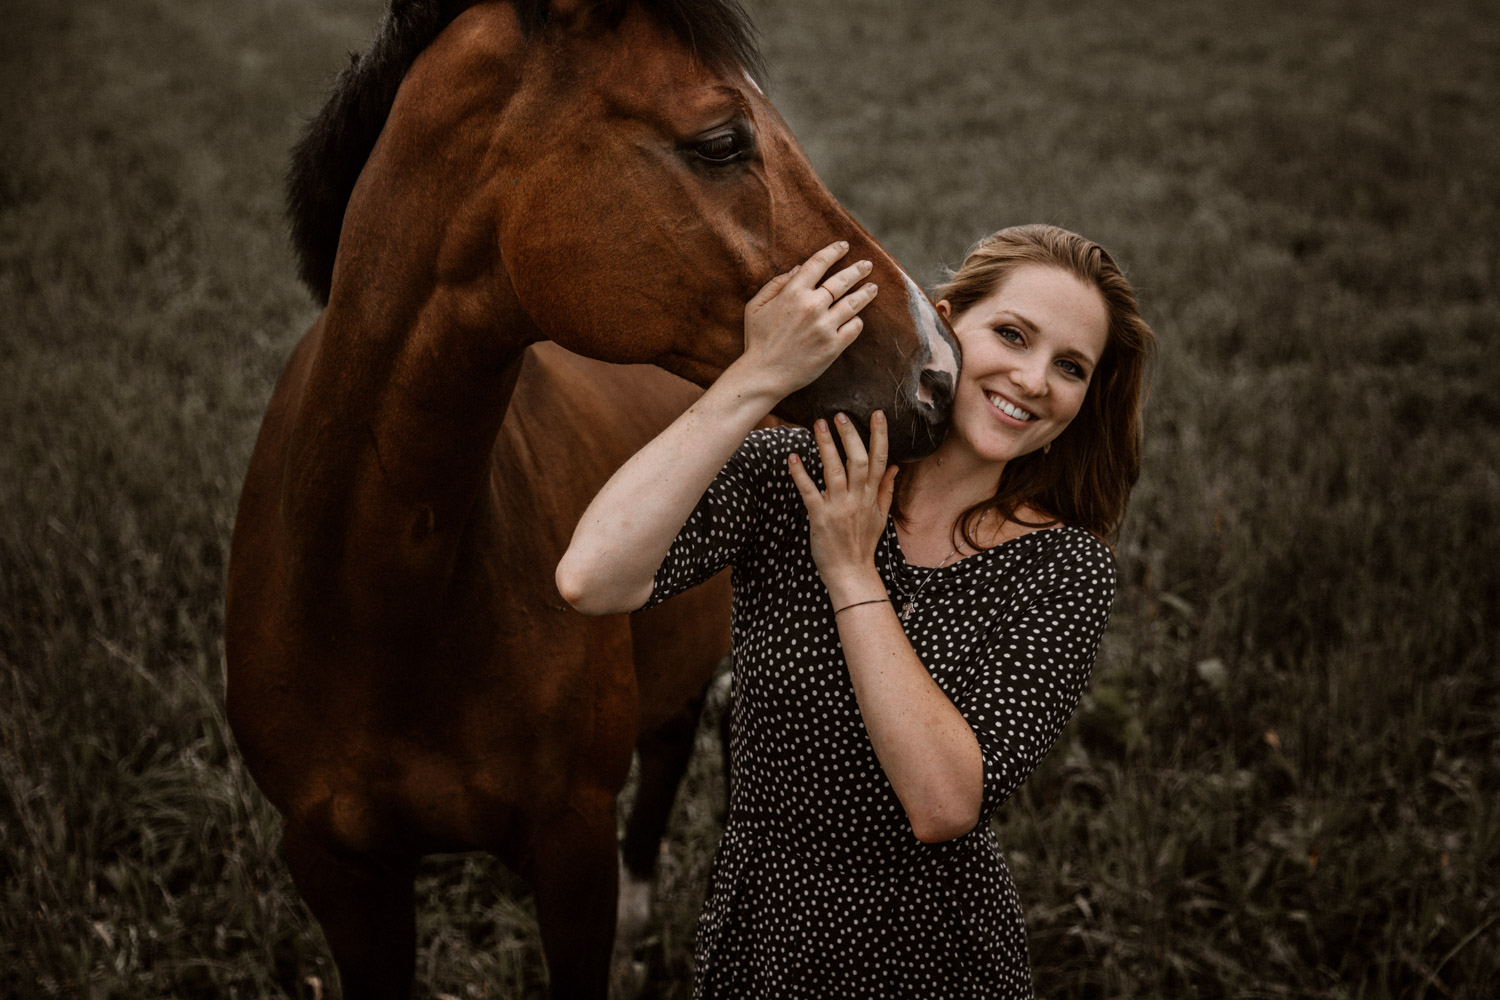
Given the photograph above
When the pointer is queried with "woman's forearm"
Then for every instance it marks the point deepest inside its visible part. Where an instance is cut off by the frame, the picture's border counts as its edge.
(925, 746)
(629, 526)
(927, 749)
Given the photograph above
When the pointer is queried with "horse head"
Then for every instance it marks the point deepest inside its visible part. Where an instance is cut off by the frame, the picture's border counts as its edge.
(670, 190)
(613, 172)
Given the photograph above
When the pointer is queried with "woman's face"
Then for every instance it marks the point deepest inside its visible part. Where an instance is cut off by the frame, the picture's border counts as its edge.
(1029, 351)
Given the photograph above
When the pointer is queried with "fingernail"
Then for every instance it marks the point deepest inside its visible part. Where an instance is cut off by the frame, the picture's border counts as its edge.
(864, 265)
(878, 415)
(794, 459)
(821, 424)
(841, 418)
(844, 244)
(795, 269)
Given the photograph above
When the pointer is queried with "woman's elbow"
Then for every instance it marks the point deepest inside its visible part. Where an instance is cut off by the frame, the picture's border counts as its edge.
(573, 584)
(940, 826)
(588, 595)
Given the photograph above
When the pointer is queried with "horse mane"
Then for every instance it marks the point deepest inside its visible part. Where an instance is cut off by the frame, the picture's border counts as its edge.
(336, 143)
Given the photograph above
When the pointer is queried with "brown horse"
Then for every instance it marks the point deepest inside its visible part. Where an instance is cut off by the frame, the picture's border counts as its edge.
(403, 678)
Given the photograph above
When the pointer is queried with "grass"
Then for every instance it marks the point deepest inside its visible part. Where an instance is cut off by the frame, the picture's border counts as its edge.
(1284, 780)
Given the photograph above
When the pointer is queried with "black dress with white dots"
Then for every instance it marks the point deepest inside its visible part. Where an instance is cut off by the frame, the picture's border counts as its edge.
(819, 888)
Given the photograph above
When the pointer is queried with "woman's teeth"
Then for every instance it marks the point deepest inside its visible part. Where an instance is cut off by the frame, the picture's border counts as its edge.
(1008, 409)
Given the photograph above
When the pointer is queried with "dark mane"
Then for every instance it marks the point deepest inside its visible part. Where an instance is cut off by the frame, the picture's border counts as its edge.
(333, 149)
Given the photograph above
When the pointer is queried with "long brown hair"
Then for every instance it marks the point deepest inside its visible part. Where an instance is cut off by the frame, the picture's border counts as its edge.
(1085, 477)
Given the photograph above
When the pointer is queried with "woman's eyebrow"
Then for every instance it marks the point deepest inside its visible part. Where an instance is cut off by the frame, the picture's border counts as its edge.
(1018, 319)
(1077, 355)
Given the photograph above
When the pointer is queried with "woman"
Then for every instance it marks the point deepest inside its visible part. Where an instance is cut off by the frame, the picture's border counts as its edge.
(895, 678)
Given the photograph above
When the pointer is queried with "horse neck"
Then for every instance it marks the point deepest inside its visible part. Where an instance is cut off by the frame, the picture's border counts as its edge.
(421, 343)
(398, 415)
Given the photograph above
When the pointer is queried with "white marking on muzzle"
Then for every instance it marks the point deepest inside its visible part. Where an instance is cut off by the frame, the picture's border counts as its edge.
(940, 353)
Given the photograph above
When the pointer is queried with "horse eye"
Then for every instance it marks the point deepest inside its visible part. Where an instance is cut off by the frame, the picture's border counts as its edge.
(722, 147)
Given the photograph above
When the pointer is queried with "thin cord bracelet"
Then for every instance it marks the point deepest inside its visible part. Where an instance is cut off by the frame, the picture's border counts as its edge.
(873, 600)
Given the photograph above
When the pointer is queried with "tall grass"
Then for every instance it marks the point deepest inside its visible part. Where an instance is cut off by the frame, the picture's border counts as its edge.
(1284, 780)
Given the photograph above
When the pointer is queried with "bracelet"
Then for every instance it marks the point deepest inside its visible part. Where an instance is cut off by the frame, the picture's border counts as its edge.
(873, 600)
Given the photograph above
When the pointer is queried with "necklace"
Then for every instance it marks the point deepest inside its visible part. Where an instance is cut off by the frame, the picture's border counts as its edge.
(910, 599)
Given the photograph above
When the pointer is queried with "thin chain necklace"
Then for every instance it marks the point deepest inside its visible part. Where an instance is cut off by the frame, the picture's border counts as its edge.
(910, 599)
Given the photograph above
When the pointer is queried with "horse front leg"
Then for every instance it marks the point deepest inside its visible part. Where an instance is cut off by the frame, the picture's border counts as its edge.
(664, 753)
(367, 912)
(574, 881)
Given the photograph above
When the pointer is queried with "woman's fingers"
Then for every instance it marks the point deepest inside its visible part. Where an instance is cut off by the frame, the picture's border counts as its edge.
(857, 461)
(833, 468)
(810, 274)
(880, 443)
(804, 482)
(772, 288)
(841, 281)
(844, 312)
(887, 492)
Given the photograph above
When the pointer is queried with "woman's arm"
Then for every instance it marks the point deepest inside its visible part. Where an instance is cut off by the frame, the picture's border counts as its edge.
(926, 747)
(793, 332)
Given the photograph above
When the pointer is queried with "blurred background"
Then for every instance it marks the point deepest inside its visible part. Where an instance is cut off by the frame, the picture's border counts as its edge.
(1285, 781)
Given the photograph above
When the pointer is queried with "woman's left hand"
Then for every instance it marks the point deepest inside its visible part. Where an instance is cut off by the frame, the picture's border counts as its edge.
(846, 519)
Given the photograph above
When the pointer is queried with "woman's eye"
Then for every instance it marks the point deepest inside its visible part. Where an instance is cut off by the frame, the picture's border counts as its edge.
(1073, 368)
(1009, 333)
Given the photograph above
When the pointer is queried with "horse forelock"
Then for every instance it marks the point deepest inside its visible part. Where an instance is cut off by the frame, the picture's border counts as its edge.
(719, 32)
(327, 160)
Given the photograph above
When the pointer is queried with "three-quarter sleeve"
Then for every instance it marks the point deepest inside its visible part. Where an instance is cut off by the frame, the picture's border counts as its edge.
(724, 521)
(1035, 666)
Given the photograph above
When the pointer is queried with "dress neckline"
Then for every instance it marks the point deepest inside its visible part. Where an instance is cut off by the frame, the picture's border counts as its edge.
(908, 567)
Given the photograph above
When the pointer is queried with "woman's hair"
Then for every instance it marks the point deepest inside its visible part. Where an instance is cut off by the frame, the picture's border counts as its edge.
(1086, 476)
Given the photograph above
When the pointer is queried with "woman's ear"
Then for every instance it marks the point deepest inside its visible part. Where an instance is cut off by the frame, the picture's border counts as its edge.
(945, 310)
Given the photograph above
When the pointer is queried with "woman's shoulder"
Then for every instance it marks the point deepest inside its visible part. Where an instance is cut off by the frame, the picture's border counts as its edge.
(760, 462)
(1083, 544)
(764, 451)
(1075, 557)
(778, 440)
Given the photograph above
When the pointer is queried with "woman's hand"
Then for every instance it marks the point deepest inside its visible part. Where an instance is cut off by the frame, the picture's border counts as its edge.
(847, 518)
(798, 323)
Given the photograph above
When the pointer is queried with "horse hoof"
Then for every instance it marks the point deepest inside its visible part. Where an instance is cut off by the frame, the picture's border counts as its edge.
(627, 979)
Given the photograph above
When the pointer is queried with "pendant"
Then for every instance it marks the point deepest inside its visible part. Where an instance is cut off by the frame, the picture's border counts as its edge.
(907, 609)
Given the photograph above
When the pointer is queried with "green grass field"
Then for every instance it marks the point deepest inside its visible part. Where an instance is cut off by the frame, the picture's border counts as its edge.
(1286, 779)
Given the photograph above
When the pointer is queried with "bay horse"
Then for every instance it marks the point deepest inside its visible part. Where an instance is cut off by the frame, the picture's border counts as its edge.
(402, 676)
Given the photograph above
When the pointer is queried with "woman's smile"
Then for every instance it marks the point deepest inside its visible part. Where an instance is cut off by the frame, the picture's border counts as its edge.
(1006, 408)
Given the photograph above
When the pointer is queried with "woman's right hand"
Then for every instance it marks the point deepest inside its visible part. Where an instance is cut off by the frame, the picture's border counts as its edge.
(799, 323)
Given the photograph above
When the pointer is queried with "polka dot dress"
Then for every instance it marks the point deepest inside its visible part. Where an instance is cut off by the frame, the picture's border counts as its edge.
(819, 888)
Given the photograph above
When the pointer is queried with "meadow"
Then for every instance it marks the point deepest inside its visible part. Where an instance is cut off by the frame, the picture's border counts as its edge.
(1285, 781)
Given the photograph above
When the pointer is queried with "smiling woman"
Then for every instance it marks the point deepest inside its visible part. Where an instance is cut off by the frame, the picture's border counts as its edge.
(1076, 347)
(910, 728)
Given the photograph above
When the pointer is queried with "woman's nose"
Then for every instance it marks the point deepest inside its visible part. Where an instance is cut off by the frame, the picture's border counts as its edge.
(1030, 379)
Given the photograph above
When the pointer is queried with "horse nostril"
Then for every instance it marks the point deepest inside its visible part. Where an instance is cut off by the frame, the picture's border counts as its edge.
(937, 386)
